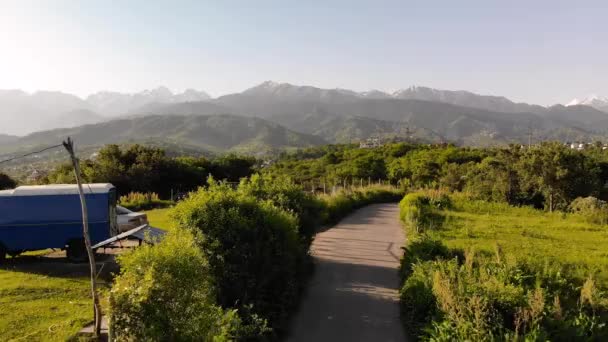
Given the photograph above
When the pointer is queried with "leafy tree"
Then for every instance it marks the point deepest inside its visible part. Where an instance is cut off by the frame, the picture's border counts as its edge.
(493, 179)
(420, 167)
(560, 174)
(232, 167)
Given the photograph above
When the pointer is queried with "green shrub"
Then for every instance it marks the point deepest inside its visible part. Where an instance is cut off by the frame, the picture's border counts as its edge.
(252, 247)
(165, 293)
(592, 209)
(422, 211)
(287, 195)
(420, 249)
(418, 303)
(338, 205)
(139, 201)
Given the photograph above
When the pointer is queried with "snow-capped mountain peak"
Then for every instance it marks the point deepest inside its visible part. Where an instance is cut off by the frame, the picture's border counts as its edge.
(593, 100)
(589, 100)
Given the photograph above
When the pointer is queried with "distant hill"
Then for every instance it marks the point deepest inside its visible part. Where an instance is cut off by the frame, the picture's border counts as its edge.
(7, 139)
(217, 133)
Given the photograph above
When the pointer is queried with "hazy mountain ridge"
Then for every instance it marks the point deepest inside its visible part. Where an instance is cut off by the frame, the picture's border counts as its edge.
(115, 103)
(334, 115)
(213, 133)
(280, 103)
(23, 113)
(466, 99)
(6, 139)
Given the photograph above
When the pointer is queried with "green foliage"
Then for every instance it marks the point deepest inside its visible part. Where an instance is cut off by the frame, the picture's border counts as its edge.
(418, 303)
(6, 182)
(559, 173)
(337, 205)
(333, 164)
(420, 167)
(165, 292)
(512, 282)
(252, 247)
(144, 169)
(422, 211)
(287, 195)
(138, 201)
(249, 234)
(549, 175)
(593, 209)
(419, 249)
(232, 167)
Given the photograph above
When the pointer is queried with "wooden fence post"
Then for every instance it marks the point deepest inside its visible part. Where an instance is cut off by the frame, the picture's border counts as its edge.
(69, 146)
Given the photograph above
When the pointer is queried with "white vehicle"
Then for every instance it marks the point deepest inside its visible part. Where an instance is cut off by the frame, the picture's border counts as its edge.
(128, 219)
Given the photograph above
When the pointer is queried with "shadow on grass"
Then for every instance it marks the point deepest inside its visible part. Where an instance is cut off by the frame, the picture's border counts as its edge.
(55, 264)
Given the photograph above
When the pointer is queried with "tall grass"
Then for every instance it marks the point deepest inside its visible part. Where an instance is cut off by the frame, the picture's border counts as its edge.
(491, 271)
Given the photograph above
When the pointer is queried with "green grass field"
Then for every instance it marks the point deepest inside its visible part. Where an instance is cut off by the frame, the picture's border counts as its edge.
(38, 307)
(159, 218)
(527, 234)
(476, 270)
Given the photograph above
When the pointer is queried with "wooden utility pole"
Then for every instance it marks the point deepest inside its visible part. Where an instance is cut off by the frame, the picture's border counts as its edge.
(69, 146)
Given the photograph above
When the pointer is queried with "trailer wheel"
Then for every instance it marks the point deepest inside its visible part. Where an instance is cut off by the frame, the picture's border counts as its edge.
(76, 251)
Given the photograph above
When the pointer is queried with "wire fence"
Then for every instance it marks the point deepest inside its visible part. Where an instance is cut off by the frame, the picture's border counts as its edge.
(29, 154)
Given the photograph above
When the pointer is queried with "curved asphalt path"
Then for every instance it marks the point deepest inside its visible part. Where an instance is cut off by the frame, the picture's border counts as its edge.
(353, 295)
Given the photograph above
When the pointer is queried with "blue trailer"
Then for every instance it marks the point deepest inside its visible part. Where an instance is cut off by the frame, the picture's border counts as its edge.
(50, 216)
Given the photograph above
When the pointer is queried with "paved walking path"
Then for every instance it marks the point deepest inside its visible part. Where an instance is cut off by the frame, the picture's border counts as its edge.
(353, 295)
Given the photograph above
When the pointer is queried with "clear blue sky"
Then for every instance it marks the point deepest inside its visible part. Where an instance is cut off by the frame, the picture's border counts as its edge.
(535, 51)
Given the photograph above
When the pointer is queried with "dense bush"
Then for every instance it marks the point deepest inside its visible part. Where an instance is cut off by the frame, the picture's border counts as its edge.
(287, 195)
(165, 293)
(421, 248)
(139, 201)
(337, 205)
(593, 209)
(253, 251)
(422, 211)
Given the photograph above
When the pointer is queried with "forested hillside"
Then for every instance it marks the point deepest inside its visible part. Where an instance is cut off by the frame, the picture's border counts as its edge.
(218, 133)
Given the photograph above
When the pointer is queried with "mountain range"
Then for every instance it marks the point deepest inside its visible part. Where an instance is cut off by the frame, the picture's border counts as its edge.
(595, 101)
(23, 113)
(275, 115)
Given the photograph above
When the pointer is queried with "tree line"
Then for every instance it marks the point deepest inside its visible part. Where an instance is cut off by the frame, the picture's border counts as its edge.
(549, 175)
(144, 169)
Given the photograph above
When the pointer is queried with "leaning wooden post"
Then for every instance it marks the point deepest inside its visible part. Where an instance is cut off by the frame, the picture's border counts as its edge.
(69, 146)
